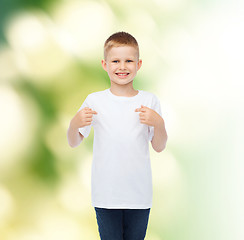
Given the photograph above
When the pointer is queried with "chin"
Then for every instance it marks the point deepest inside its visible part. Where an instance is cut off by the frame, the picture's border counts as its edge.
(122, 82)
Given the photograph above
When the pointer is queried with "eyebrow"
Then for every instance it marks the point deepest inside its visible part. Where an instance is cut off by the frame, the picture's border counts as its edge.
(118, 58)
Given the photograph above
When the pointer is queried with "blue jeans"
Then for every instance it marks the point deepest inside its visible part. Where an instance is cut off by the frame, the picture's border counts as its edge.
(122, 224)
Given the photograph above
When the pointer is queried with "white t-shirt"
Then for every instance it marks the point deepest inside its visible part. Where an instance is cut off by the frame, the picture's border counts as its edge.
(121, 168)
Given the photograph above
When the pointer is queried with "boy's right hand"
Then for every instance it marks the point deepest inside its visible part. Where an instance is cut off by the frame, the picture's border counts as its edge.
(82, 118)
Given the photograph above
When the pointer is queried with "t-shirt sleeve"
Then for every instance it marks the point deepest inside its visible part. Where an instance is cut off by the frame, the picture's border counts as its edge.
(157, 108)
(85, 131)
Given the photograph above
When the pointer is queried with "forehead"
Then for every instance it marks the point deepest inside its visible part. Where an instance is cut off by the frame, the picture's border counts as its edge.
(122, 52)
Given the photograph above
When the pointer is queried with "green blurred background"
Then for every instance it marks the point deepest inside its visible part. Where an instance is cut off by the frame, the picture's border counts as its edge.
(50, 55)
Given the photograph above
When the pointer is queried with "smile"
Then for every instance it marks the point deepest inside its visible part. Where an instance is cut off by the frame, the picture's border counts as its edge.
(122, 74)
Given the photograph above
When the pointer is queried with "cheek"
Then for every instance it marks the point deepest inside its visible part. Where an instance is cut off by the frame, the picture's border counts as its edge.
(112, 68)
(134, 69)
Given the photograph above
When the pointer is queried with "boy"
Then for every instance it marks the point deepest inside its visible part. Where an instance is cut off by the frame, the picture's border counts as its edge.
(124, 120)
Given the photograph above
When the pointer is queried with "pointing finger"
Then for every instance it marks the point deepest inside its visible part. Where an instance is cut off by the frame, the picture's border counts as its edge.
(142, 106)
(140, 110)
(91, 111)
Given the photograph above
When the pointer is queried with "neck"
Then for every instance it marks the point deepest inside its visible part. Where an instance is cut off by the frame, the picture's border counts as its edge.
(125, 91)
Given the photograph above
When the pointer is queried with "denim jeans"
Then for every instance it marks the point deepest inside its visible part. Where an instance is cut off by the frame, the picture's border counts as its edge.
(122, 224)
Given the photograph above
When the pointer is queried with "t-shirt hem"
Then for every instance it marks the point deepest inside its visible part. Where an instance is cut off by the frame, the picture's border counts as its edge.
(122, 206)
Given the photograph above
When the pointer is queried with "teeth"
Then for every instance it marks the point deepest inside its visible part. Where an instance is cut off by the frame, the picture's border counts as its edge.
(122, 74)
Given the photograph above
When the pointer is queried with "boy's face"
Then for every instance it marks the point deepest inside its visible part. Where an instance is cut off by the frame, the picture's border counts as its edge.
(122, 64)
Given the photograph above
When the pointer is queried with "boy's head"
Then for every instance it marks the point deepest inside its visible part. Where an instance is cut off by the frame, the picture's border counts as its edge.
(121, 58)
(120, 39)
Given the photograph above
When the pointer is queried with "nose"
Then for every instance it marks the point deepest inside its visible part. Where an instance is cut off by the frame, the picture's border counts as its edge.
(122, 65)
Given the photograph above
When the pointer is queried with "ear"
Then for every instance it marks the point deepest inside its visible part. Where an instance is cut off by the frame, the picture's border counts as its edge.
(104, 65)
(139, 64)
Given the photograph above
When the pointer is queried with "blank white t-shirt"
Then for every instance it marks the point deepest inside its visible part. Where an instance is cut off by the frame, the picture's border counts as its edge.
(121, 168)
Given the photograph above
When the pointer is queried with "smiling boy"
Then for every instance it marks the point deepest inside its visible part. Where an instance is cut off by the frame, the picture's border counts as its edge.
(124, 121)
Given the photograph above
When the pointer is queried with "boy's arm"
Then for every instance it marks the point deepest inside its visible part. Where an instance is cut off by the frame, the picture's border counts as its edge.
(81, 119)
(160, 135)
(74, 136)
(152, 118)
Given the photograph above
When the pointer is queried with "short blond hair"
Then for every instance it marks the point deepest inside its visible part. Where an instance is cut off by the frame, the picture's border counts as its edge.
(120, 39)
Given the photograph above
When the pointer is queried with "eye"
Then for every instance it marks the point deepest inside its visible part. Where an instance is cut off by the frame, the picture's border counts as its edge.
(115, 61)
(129, 61)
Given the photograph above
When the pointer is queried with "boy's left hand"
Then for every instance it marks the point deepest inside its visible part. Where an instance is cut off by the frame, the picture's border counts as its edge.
(148, 116)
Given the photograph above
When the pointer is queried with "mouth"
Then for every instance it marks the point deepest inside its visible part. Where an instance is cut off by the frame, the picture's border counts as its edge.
(122, 75)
